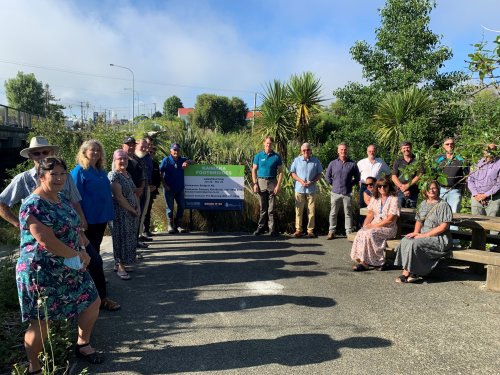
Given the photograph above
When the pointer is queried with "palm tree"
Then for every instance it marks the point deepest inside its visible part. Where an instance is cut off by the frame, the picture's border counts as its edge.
(394, 111)
(304, 94)
(277, 116)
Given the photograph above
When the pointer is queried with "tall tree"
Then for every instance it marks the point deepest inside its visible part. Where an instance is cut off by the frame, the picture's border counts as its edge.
(52, 110)
(219, 113)
(171, 105)
(304, 94)
(407, 52)
(25, 93)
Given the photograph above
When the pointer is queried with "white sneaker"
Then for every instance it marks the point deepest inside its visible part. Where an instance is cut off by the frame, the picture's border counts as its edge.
(181, 230)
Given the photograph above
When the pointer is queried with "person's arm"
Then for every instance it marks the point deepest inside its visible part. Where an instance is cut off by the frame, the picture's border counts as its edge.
(45, 236)
(416, 230)
(255, 183)
(329, 173)
(441, 228)
(368, 219)
(79, 211)
(388, 220)
(116, 188)
(7, 214)
(366, 198)
(280, 178)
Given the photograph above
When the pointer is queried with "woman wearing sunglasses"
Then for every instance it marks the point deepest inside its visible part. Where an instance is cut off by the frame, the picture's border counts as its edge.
(379, 225)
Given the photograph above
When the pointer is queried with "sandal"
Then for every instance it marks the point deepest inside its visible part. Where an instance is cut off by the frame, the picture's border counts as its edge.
(359, 268)
(127, 268)
(402, 279)
(109, 305)
(413, 278)
(123, 275)
(93, 358)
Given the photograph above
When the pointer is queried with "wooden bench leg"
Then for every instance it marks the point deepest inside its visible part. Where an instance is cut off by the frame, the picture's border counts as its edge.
(493, 278)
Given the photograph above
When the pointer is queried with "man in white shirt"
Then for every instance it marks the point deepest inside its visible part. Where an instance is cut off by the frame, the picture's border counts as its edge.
(371, 167)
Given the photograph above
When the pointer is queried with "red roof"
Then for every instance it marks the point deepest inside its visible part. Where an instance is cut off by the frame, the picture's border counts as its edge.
(184, 111)
(249, 115)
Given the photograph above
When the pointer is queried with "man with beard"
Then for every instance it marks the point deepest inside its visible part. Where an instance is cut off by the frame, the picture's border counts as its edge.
(144, 159)
(407, 188)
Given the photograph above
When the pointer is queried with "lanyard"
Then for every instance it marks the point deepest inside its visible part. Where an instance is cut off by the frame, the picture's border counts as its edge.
(382, 206)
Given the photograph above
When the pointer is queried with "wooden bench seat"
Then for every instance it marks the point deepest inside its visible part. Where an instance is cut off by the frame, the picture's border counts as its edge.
(489, 259)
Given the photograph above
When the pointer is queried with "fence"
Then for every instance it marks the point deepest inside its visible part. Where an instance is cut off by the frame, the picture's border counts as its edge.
(17, 119)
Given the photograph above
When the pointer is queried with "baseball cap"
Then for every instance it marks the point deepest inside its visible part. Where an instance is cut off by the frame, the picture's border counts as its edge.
(175, 146)
(127, 140)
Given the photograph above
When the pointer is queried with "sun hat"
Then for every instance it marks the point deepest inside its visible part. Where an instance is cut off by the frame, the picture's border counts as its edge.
(35, 143)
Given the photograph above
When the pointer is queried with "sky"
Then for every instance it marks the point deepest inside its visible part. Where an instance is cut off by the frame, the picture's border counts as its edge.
(190, 47)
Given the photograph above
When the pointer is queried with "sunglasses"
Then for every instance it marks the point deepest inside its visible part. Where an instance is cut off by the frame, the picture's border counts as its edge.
(38, 153)
(306, 149)
(370, 184)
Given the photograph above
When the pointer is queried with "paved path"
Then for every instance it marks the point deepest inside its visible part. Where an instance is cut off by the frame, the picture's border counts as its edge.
(238, 304)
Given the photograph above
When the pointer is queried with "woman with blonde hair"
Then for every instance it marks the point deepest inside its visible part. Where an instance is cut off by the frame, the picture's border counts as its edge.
(97, 205)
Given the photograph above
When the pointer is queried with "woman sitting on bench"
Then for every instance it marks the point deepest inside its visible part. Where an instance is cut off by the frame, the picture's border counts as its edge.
(379, 225)
(419, 252)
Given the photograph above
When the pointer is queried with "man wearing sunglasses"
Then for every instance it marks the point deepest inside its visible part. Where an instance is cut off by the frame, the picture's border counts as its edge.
(455, 169)
(24, 183)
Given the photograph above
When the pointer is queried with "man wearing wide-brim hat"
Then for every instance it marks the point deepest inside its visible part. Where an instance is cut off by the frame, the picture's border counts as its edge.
(24, 183)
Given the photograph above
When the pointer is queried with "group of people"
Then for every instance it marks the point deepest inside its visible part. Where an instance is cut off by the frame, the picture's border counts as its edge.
(62, 221)
(384, 191)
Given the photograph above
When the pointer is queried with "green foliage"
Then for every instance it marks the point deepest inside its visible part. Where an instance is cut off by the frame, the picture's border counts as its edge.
(485, 62)
(406, 52)
(397, 112)
(25, 93)
(219, 113)
(171, 105)
(304, 96)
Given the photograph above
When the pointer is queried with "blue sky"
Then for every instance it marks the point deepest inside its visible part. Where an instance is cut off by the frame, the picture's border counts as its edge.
(190, 47)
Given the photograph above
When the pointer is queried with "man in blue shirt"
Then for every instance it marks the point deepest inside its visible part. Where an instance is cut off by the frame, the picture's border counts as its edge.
(267, 173)
(172, 175)
(342, 173)
(306, 171)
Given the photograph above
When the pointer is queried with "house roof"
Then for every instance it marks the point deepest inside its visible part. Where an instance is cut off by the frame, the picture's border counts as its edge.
(184, 111)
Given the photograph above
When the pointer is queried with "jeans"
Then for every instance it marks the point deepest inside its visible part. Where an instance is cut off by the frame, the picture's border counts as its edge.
(453, 197)
(407, 202)
(178, 196)
(335, 201)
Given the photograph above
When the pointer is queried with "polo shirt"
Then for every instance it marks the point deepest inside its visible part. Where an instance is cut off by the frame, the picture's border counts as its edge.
(267, 165)
(454, 169)
(24, 183)
(173, 174)
(95, 190)
(342, 176)
(306, 170)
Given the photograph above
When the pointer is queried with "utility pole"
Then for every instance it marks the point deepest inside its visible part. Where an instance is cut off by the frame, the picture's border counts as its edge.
(254, 105)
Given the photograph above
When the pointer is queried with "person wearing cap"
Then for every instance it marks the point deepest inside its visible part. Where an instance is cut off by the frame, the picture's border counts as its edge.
(484, 183)
(407, 188)
(23, 185)
(306, 171)
(267, 173)
(155, 185)
(141, 154)
(136, 171)
(172, 175)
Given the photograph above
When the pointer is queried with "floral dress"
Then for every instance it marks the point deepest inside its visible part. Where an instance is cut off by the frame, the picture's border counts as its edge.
(47, 288)
(369, 244)
(125, 224)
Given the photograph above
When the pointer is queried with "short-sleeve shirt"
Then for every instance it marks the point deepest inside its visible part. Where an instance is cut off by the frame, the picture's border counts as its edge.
(306, 170)
(173, 174)
(95, 190)
(267, 164)
(454, 169)
(369, 169)
(397, 168)
(381, 211)
(24, 183)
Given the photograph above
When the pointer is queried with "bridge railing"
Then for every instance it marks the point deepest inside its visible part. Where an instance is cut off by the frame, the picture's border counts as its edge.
(12, 117)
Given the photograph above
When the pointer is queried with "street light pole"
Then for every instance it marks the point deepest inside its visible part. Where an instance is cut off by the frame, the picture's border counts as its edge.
(133, 88)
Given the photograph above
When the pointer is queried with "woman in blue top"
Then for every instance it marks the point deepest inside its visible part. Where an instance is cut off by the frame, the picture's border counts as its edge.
(92, 182)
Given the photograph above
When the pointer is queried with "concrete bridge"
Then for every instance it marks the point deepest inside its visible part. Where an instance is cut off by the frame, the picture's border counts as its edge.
(14, 128)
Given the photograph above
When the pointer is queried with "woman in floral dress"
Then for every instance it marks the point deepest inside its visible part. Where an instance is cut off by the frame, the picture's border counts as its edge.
(127, 212)
(52, 281)
(379, 225)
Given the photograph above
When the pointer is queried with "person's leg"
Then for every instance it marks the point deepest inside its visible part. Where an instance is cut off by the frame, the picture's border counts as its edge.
(144, 208)
(264, 205)
(401, 199)
(34, 337)
(95, 233)
(147, 217)
(335, 201)
(270, 208)
(86, 321)
(477, 208)
(96, 271)
(412, 200)
(300, 200)
(179, 199)
(347, 203)
(493, 208)
(169, 203)
(453, 197)
(311, 212)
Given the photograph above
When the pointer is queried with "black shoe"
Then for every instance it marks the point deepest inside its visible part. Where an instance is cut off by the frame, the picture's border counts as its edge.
(143, 237)
(258, 232)
(141, 245)
(148, 234)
